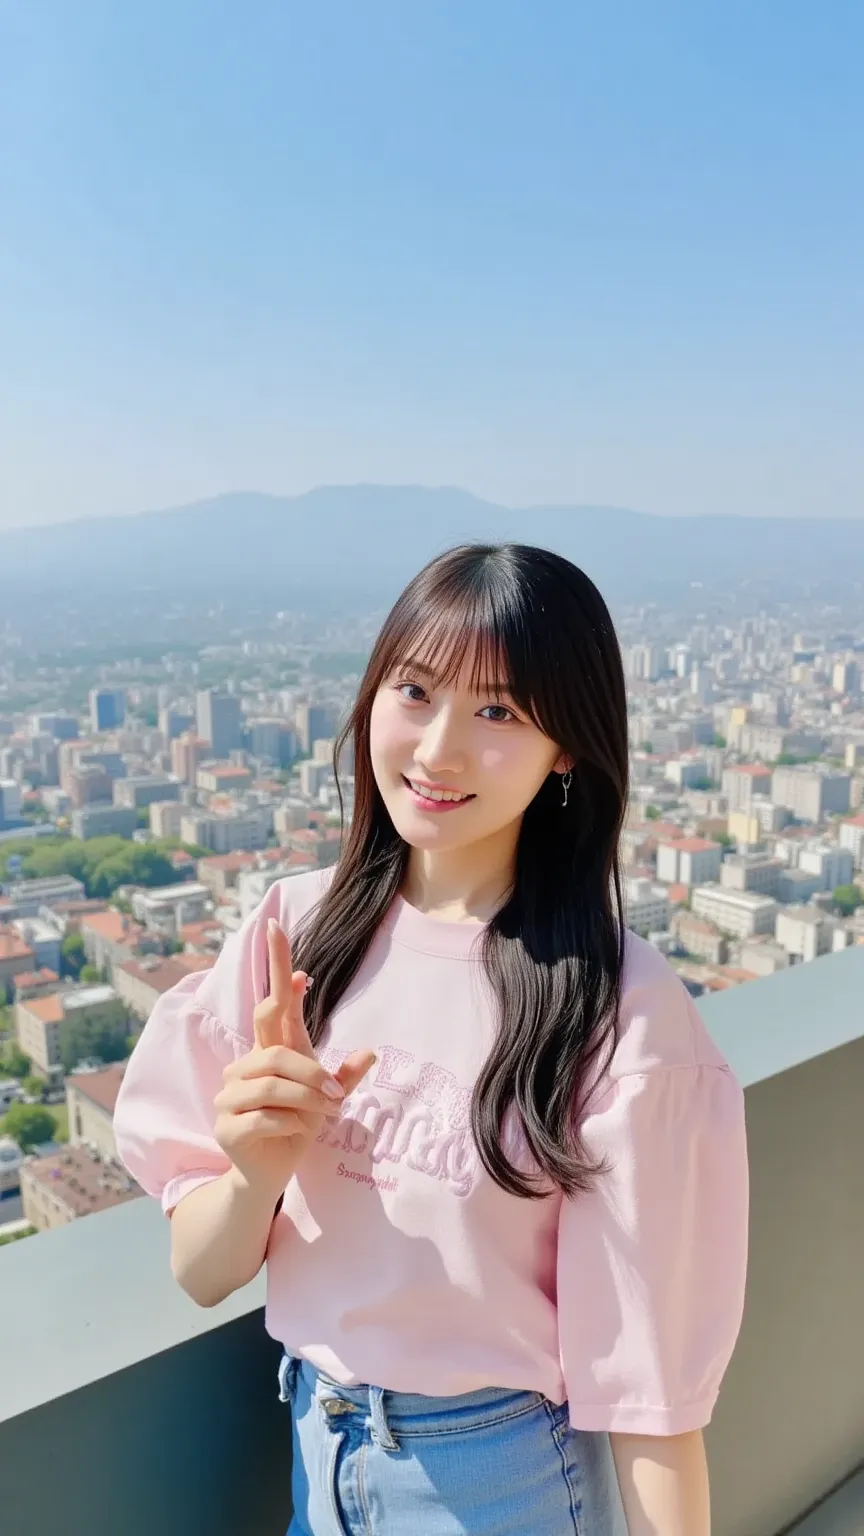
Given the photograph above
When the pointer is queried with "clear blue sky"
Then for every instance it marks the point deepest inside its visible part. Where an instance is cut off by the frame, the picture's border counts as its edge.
(547, 251)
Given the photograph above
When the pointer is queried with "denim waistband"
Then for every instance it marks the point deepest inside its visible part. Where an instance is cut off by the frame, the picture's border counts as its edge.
(405, 1413)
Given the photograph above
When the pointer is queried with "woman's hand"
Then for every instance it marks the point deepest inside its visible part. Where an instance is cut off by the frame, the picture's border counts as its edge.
(274, 1100)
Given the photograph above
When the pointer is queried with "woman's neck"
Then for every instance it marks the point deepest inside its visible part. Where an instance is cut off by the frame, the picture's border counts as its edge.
(464, 884)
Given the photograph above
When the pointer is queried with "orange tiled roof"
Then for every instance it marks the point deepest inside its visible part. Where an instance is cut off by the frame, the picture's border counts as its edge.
(101, 1087)
(112, 926)
(48, 1009)
(12, 946)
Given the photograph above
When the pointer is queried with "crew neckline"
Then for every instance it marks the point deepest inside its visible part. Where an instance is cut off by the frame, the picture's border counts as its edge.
(414, 929)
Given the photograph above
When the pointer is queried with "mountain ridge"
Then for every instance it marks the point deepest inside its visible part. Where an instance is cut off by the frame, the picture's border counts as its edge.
(382, 533)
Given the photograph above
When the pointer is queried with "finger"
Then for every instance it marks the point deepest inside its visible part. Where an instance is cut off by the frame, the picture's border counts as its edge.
(354, 1068)
(279, 956)
(280, 1061)
(272, 1122)
(267, 1024)
(294, 1031)
(275, 1093)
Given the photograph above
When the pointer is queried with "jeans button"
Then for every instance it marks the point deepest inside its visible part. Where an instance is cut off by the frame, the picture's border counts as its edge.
(335, 1405)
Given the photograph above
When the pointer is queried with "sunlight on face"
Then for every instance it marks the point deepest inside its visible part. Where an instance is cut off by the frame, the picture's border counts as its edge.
(454, 766)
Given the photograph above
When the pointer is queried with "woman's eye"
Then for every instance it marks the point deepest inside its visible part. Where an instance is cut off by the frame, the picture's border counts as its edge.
(411, 691)
(499, 714)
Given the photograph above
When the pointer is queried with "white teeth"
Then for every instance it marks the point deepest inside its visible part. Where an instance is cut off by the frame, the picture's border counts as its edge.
(426, 793)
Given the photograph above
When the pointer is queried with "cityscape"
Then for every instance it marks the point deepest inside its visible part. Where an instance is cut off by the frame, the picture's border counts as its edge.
(152, 790)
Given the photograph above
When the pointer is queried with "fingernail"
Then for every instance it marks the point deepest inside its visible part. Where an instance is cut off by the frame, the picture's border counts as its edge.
(272, 927)
(332, 1089)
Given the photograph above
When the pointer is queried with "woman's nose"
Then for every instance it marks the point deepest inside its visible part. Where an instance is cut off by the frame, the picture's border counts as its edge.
(440, 749)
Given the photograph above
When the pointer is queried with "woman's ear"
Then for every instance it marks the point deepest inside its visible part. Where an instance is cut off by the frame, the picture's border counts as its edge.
(564, 764)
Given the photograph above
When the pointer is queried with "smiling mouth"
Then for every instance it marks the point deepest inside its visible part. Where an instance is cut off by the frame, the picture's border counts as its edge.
(435, 796)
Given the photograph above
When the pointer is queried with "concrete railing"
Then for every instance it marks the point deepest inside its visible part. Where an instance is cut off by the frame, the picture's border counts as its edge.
(126, 1411)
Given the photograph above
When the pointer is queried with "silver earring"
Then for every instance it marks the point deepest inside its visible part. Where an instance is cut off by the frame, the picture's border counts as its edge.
(566, 781)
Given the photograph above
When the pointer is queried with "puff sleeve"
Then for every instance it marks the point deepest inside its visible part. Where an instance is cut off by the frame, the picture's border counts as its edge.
(164, 1117)
(651, 1263)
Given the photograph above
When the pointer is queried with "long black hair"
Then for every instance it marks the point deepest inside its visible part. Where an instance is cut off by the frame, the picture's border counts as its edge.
(554, 952)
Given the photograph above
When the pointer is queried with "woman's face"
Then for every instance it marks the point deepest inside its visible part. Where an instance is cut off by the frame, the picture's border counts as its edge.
(454, 766)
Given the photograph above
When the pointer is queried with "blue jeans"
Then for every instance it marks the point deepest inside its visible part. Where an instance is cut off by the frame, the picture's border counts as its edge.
(493, 1463)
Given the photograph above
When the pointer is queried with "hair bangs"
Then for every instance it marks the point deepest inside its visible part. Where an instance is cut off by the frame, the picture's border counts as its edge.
(473, 634)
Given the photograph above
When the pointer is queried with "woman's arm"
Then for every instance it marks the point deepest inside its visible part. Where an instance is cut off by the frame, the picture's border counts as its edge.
(664, 1483)
(219, 1236)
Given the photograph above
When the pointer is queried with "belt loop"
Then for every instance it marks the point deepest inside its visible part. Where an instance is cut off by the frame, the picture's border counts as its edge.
(381, 1431)
(287, 1378)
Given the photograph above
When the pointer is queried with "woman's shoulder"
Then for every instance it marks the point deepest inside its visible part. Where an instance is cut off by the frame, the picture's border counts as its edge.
(659, 1025)
(295, 896)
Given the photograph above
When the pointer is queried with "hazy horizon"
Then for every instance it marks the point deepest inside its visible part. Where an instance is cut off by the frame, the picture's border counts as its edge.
(326, 486)
(606, 259)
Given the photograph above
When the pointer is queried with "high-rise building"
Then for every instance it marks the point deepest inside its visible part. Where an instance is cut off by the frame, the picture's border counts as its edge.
(219, 721)
(107, 708)
(58, 727)
(313, 722)
(186, 753)
(810, 793)
(173, 722)
(10, 802)
(273, 740)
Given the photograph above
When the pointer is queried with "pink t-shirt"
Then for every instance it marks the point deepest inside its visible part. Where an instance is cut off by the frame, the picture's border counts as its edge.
(397, 1260)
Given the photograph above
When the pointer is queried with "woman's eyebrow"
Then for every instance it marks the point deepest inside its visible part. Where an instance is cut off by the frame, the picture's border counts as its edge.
(480, 687)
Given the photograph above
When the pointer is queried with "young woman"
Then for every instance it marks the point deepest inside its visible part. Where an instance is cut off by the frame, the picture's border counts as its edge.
(493, 1160)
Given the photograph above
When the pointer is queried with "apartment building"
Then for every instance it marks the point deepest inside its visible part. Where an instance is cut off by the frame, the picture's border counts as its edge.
(763, 957)
(141, 983)
(700, 938)
(751, 872)
(811, 793)
(168, 907)
(646, 906)
(42, 1023)
(742, 781)
(104, 821)
(187, 754)
(165, 818)
(830, 863)
(110, 937)
(16, 957)
(247, 830)
(90, 1101)
(71, 1183)
(852, 838)
(220, 778)
(804, 932)
(688, 861)
(136, 794)
(27, 897)
(42, 938)
(741, 914)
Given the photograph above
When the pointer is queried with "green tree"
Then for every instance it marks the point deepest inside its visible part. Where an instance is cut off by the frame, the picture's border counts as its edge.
(101, 863)
(72, 956)
(92, 1039)
(847, 899)
(14, 1237)
(34, 1085)
(90, 974)
(719, 741)
(15, 1063)
(29, 1125)
(652, 813)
